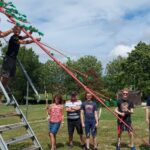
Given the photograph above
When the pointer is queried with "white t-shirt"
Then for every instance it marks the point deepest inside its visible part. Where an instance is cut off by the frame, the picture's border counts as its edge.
(76, 114)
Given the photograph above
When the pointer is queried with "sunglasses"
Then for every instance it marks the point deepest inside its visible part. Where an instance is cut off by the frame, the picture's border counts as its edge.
(125, 93)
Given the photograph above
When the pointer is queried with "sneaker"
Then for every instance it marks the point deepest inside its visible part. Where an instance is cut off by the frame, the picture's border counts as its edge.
(117, 147)
(70, 145)
(133, 148)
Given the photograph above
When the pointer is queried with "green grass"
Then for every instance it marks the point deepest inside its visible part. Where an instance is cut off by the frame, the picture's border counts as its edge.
(106, 132)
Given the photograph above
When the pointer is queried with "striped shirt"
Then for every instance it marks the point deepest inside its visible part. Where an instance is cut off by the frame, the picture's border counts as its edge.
(76, 114)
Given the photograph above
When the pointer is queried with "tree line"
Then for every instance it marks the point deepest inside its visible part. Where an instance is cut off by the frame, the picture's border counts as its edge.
(132, 71)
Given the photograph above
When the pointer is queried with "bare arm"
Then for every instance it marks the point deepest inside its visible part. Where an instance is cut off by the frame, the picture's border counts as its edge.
(76, 108)
(63, 114)
(6, 33)
(82, 118)
(62, 122)
(69, 109)
(28, 41)
(130, 111)
(96, 118)
(24, 37)
(118, 112)
(49, 109)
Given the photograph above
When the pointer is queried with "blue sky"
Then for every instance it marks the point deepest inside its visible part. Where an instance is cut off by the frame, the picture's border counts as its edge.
(104, 29)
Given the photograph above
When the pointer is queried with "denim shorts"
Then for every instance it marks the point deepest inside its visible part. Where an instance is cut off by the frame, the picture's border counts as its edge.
(53, 127)
(90, 128)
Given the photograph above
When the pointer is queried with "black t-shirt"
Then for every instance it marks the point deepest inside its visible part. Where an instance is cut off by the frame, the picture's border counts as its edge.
(13, 46)
(122, 105)
(148, 101)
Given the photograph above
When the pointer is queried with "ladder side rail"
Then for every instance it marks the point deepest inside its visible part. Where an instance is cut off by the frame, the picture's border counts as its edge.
(24, 120)
(5, 93)
(3, 145)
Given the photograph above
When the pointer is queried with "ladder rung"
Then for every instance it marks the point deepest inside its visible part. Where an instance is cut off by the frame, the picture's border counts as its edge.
(18, 139)
(32, 148)
(11, 126)
(9, 115)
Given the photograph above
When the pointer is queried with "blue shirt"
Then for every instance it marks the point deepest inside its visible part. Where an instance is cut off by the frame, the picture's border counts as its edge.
(89, 109)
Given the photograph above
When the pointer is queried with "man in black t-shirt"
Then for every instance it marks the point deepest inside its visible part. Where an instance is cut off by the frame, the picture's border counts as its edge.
(9, 62)
(124, 110)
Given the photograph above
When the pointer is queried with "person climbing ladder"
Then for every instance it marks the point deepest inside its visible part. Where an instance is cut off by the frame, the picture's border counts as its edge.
(9, 63)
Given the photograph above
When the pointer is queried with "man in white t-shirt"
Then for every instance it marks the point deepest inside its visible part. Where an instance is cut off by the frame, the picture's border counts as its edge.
(73, 108)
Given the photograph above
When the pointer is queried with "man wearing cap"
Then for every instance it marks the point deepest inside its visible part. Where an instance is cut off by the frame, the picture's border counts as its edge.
(73, 107)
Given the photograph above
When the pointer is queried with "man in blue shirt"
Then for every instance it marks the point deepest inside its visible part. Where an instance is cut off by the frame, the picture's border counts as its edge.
(89, 119)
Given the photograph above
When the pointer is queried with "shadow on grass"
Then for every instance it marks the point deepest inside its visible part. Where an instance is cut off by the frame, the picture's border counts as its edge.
(59, 145)
(144, 147)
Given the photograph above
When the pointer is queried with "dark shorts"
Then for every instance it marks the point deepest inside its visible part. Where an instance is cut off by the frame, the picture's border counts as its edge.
(90, 128)
(72, 124)
(122, 127)
(54, 127)
(8, 67)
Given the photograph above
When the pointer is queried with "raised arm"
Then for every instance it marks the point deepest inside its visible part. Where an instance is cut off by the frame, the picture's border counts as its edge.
(6, 33)
(28, 41)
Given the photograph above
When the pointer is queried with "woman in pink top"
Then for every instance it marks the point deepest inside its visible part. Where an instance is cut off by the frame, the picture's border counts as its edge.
(56, 113)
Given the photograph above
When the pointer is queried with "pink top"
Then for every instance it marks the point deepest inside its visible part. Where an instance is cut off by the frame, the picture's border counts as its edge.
(56, 113)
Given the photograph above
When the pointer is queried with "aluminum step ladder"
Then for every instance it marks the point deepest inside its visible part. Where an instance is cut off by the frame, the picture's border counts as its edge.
(5, 144)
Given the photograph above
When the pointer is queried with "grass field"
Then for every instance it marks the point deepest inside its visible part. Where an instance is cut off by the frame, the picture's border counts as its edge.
(106, 132)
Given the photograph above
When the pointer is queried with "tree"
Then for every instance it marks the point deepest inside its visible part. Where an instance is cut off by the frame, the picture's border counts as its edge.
(52, 78)
(90, 66)
(133, 71)
(115, 76)
(138, 67)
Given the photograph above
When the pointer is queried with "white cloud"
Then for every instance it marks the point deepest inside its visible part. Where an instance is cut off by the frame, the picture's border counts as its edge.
(120, 50)
(89, 26)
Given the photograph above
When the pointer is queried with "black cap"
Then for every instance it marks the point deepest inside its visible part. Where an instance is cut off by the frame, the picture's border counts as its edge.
(74, 93)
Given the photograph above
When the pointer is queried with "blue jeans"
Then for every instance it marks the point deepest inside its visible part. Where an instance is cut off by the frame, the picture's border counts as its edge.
(90, 128)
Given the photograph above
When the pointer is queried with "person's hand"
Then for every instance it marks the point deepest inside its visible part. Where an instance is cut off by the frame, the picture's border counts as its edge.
(38, 39)
(96, 125)
(122, 114)
(62, 124)
(147, 121)
(83, 125)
